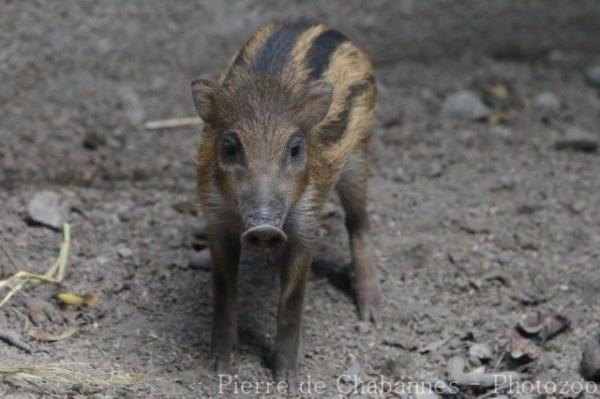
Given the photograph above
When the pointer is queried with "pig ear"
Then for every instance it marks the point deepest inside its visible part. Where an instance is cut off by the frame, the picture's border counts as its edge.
(202, 90)
(316, 103)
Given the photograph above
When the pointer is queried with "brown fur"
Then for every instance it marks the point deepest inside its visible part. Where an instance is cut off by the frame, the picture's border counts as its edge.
(348, 69)
(267, 102)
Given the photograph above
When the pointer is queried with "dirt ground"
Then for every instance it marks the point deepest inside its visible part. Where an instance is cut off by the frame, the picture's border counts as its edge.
(476, 223)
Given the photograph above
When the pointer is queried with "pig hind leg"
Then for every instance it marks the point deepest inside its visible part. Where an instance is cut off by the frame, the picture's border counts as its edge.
(352, 190)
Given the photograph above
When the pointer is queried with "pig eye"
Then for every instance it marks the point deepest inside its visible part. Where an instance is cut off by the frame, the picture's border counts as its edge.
(230, 147)
(296, 148)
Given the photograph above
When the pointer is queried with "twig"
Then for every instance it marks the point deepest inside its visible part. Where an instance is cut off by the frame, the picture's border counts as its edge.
(64, 253)
(12, 292)
(59, 268)
(172, 123)
(46, 337)
(503, 347)
(60, 375)
(23, 275)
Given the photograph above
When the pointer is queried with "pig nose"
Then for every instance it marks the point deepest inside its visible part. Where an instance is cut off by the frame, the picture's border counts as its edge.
(264, 236)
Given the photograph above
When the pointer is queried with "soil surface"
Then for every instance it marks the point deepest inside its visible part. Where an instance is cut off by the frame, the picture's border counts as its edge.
(477, 223)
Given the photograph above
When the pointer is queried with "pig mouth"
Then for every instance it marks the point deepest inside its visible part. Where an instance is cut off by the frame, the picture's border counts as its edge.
(257, 220)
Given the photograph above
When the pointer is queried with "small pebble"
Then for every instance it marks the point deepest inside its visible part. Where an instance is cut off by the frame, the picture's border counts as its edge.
(123, 251)
(101, 260)
(351, 372)
(45, 208)
(435, 169)
(132, 104)
(577, 207)
(92, 141)
(14, 339)
(402, 176)
(200, 231)
(186, 208)
(426, 395)
(592, 75)
(480, 353)
(526, 396)
(464, 105)
(531, 296)
(577, 139)
(500, 131)
(363, 327)
(200, 260)
(547, 100)
(506, 182)
(590, 360)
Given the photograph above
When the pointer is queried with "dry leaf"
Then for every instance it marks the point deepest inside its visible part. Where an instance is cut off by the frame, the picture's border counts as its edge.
(71, 299)
(496, 118)
(521, 346)
(91, 299)
(47, 337)
(498, 91)
(557, 325)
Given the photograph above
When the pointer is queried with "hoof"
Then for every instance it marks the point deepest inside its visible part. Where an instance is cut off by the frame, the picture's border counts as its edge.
(369, 299)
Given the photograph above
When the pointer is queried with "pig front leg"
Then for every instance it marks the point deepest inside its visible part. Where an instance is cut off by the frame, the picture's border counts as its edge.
(225, 253)
(295, 264)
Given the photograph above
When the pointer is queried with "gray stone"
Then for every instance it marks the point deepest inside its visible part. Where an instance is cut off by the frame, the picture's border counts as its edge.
(464, 105)
(548, 100)
(577, 139)
(200, 260)
(402, 175)
(351, 373)
(526, 396)
(590, 360)
(500, 131)
(479, 353)
(46, 208)
(435, 169)
(363, 327)
(124, 251)
(134, 110)
(93, 140)
(426, 395)
(592, 75)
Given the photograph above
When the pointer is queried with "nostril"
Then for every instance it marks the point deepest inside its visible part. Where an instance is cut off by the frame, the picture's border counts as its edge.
(253, 239)
(264, 237)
